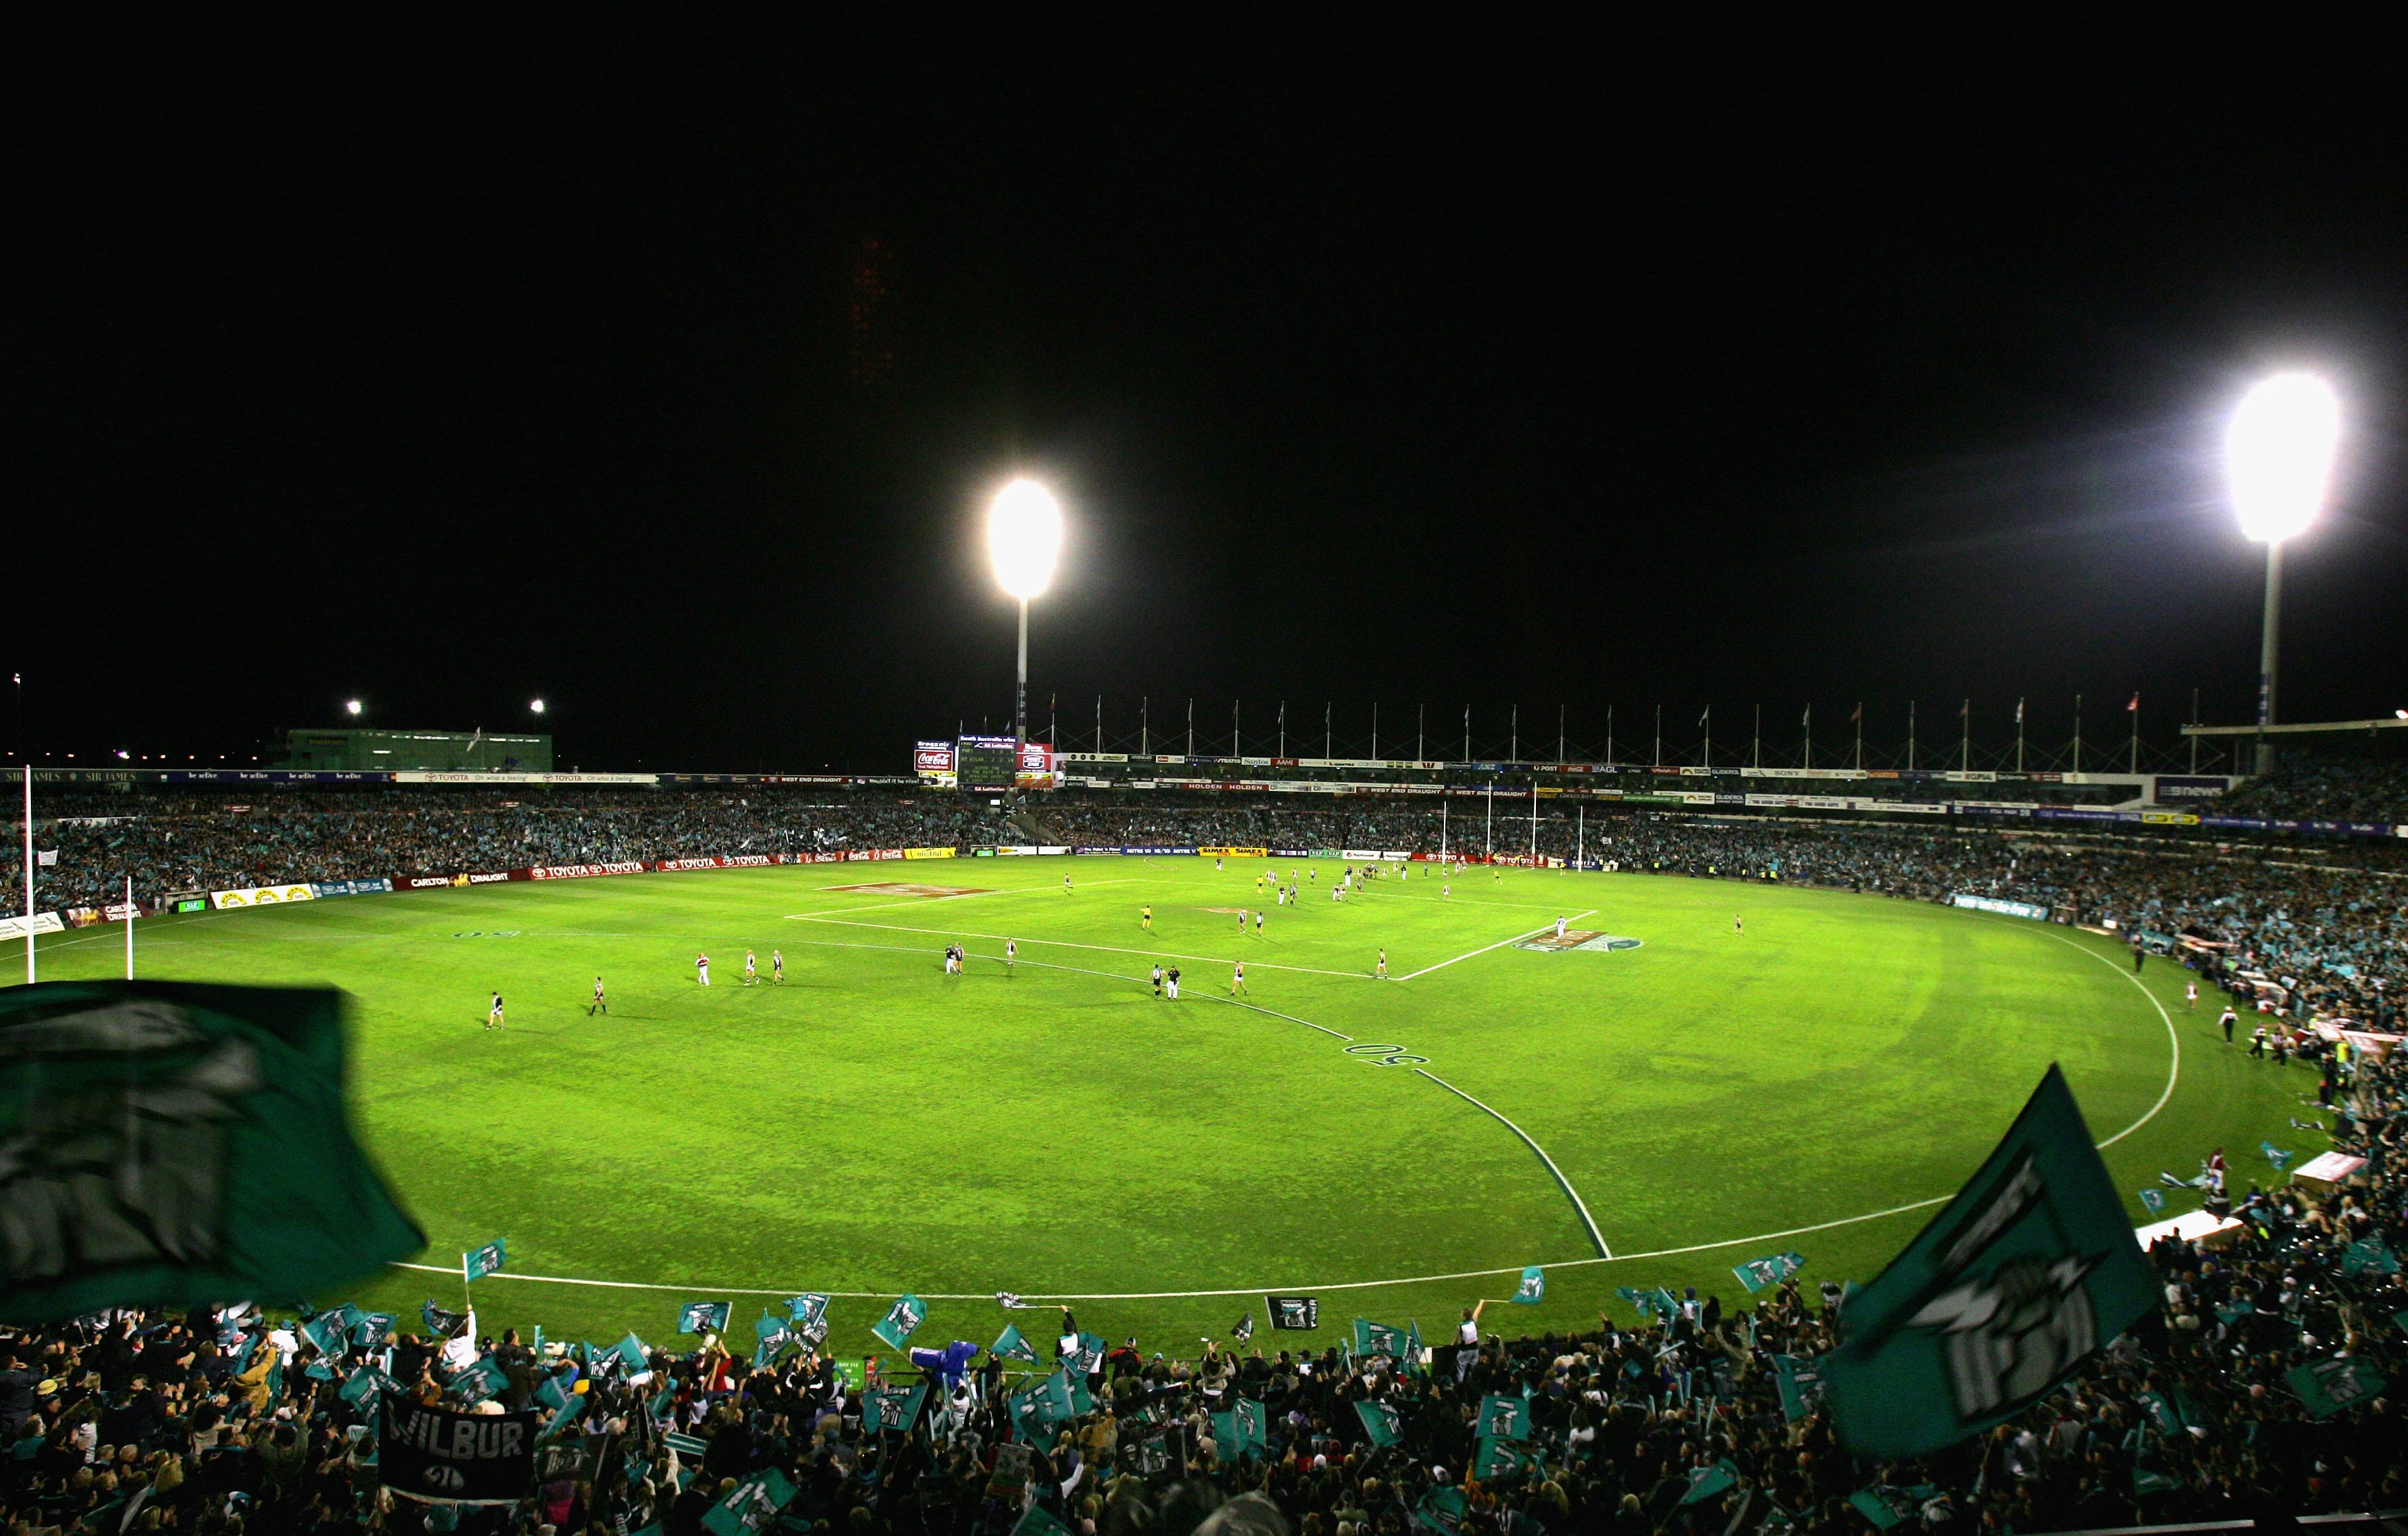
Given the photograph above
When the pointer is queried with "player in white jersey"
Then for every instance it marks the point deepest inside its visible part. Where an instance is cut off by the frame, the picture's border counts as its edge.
(751, 971)
(1066, 884)
(494, 1019)
(1559, 930)
(598, 1005)
(1238, 980)
(2190, 997)
(1010, 953)
(778, 967)
(1258, 922)
(1381, 971)
(702, 968)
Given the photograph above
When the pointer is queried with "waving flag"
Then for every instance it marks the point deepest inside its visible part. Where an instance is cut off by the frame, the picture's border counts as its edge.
(2021, 1277)
(703, 1318)
(901, 1321)
(478, 1263)
(1533, 1288)
(1011, 1345)
(174, 1144)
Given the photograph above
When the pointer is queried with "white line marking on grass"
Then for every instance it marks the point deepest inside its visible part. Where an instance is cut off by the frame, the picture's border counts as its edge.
(2173, 1037)
(1500, 945)
(1588, 1221)
(1065, 943)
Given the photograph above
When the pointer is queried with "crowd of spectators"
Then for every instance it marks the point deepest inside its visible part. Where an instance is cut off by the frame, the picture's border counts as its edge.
(139, 1423)
(2326, 785)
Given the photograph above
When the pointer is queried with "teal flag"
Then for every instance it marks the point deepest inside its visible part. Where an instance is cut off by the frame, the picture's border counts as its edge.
(1706, 1481)
(560, 1419)
(2368, 1254)
(1010, 1345)
(478, 1263)
(2022, 1276)
(179, 1143)
(2327, 1386)
(2275, 1156)
(1758, 1274)
(753, 1507)
(891, 1407)
(2153, 1201)
(1381, 1422)
(476, 1383)
(688, 1447)
(2230, 1311)
(1038, 1523)
(1801, 1385)
(809, 1314)
(1503, 1418)
(772, 1330)
(1885, 1506)
(901, 1321)
(1087, 1358)
(2145, 1481)
(1533, 1288)
(632, 1354)
(1440, 1511)
(703, 1318)
(1244, 1428)
(327, 1331)
(361, 1386)
(552, 1391)
(1044, 1403)
(1660, 1302)
(1494, 1460)
(1376, 1339)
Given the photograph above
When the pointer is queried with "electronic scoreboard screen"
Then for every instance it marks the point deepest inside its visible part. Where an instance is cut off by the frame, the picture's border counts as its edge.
(984, 762)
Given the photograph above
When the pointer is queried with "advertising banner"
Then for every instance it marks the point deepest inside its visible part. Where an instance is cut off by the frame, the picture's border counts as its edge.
(1166, 851)
(420, 882)
(14, 927)
(1235, 852)
(933, 761)
(326, 888)
(263, 896)
(928, 852)
(585, 871)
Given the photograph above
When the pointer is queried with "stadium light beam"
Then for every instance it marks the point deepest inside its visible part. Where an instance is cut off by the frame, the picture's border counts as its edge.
(1023, 537)
(537, 707)
(352, 707)
(2278, 455)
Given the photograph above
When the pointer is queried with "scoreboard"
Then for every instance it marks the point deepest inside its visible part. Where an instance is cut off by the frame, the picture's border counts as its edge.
(984, 762)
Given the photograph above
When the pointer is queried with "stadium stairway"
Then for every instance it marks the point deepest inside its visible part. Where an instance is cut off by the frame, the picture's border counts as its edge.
(1034, 829)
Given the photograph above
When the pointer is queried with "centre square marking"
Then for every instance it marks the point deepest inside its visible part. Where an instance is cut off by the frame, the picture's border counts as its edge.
(1576, 938)
(910, 887)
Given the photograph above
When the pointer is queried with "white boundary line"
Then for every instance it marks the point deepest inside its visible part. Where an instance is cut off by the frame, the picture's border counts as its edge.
(1500, 945)
(2174, 1076)
(1604, 1252)
(923, 900)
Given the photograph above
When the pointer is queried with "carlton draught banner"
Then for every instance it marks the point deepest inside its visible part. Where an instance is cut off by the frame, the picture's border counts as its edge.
(457, 1458)
(2028, 1270)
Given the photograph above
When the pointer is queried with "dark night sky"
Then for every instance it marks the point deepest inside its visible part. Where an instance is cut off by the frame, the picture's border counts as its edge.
(663, 374)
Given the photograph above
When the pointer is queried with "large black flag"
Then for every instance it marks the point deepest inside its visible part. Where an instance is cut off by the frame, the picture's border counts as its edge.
(455, 1459)
(170, 1144)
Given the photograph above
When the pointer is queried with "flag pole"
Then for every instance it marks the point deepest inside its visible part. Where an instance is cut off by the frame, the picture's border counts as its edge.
(1534, 821)
(29, 873)
(129, 927)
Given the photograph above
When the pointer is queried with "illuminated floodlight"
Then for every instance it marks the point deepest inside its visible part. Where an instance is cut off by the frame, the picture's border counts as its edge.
(1023, 535)
(2278, 455)
(352, 707)
(537, 706)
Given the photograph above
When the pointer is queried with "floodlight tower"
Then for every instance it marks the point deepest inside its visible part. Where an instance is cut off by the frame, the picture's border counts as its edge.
(2278, 455)
(1023, 535)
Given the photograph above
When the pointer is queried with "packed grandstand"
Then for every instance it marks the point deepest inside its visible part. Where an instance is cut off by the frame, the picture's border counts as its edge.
(1701, 1421)
(147, 1424)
